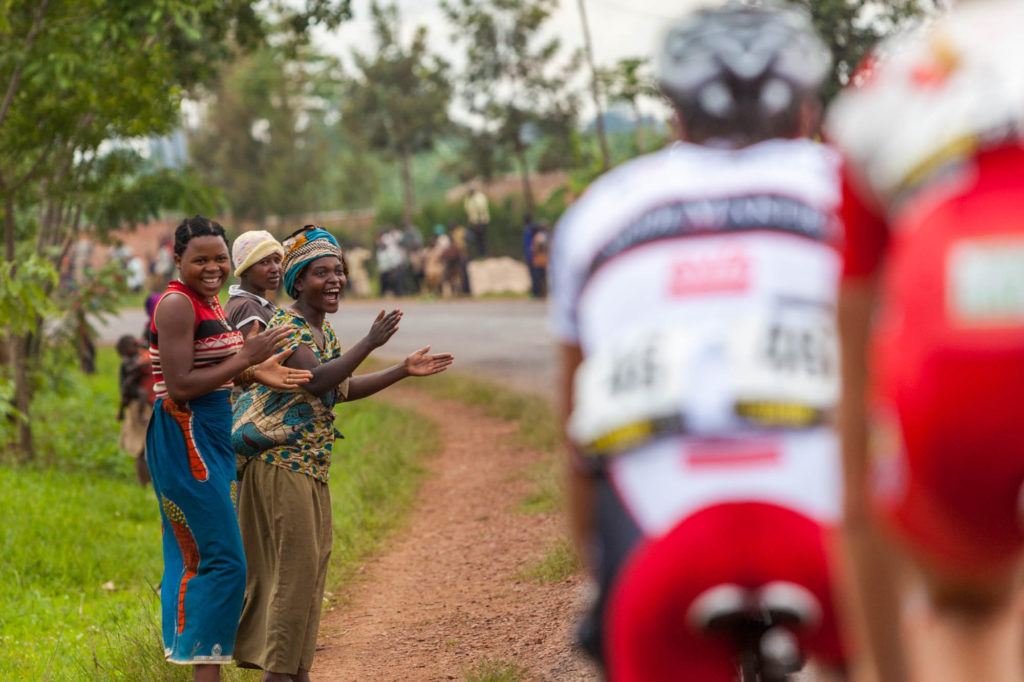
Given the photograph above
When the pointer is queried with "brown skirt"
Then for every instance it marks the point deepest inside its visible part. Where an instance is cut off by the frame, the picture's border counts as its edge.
(285, 520)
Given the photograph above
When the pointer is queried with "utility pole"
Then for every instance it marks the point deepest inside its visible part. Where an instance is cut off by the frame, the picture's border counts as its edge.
(595, 88)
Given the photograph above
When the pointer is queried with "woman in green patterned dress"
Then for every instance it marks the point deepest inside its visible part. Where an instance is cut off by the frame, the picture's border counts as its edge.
(284, 504)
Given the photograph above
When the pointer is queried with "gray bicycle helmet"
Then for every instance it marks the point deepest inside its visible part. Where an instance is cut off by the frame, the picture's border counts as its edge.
(741, 70)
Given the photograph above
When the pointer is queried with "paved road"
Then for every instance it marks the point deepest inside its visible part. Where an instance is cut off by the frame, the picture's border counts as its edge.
(505, 340)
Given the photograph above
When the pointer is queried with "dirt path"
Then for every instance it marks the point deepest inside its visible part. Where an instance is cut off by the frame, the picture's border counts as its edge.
(443, 596)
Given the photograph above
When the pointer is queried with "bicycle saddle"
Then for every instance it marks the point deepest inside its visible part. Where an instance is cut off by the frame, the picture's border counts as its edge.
(758, 621)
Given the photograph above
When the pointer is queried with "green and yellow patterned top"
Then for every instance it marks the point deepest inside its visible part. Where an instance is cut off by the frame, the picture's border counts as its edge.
(292, 429)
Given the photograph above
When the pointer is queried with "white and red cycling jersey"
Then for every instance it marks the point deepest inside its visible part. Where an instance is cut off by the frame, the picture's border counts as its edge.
(933, 201)
(700, 284)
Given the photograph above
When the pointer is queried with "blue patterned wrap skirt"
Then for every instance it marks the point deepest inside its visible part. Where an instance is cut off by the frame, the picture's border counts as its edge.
(189, 453)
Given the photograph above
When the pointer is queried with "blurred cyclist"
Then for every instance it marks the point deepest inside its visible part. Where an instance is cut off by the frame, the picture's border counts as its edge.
(932, 330)
(693, 296)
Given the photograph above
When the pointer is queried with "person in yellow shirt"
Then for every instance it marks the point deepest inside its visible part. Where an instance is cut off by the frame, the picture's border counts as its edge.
(478, 216)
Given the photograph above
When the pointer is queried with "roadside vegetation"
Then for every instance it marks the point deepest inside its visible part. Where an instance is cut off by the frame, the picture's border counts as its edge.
(489, 670)
(538, 423)
(80, 543)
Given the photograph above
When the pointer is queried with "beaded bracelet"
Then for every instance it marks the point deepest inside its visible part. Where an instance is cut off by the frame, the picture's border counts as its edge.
(248, 375)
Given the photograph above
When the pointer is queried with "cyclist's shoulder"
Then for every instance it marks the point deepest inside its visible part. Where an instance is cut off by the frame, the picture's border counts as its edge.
(630, 176)
(685, 172)
(799, 156)
(943, 89)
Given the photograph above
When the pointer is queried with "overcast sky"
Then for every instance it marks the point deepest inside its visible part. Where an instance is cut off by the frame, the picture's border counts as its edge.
(618, 28)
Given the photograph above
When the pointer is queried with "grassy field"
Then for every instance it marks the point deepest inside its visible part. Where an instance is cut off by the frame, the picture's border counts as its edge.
(80, 539)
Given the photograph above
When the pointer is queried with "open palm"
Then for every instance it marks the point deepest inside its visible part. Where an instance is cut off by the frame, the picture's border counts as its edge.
(276, 375)
(419, 364)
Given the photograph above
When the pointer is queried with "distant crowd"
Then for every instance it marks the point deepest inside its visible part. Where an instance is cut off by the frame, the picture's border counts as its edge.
(405, 259)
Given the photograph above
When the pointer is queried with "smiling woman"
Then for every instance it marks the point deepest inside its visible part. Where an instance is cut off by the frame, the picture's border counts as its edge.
(196, 353)
(287, 435)
(257, 257)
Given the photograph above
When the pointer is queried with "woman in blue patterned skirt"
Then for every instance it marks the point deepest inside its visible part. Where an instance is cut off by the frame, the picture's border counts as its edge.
(196, 353)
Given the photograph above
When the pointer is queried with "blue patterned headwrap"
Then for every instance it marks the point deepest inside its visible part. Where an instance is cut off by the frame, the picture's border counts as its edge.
(304, 247)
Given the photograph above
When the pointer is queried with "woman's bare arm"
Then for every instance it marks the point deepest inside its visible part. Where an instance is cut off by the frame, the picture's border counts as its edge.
(418, 364)
(175, 325)
(328, 376)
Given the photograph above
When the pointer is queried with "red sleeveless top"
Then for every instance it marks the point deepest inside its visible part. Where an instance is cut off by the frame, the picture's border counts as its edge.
(214, 337)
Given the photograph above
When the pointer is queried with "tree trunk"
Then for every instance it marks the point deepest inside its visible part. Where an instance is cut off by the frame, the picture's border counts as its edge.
(524, 172)
(8, 223)
(408, 190)
(30, 40)
(641, 129)
(22, 396)
(595, 89)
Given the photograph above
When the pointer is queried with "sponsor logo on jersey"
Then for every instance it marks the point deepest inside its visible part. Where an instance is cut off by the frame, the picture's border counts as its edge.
(724, 270)
(985, 282)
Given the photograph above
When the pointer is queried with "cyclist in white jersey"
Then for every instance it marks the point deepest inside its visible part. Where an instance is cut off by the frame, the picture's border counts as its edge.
(693, 296)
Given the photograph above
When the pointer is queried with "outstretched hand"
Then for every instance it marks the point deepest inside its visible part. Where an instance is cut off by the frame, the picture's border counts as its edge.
(274, 374)
(419, 364)
(384, 327)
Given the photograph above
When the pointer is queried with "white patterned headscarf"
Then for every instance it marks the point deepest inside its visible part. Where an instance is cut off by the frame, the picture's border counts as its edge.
(252, 247)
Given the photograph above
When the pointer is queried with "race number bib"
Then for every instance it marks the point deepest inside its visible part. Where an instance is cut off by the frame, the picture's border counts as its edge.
(626, 396)
(785, 366)
(781, 371)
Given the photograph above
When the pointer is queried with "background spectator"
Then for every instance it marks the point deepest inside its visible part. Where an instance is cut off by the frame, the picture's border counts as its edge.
(478, 215)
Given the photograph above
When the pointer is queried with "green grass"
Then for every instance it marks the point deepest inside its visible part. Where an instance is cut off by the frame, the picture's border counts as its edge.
(77, 432)
(558, 564)
(538, 422)
(545, 496)
(488, 670)
(77, 520)
(64, 536)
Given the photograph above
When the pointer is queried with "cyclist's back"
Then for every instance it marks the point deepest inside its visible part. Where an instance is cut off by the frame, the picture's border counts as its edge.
(693, 292)
(935, 219)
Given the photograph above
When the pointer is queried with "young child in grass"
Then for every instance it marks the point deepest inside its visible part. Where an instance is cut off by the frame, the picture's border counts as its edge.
(135, 380)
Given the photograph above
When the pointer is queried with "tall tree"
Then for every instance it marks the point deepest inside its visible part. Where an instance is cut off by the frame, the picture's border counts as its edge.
(398, 100)
(628, 82)
(512, 81)
(851, 28)
(595, 88)
(482, 154)
(76, 77)
(265, 136)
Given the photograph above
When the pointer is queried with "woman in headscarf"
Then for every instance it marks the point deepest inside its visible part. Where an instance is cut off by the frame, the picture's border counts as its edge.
(257, 257)
(285, 505)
